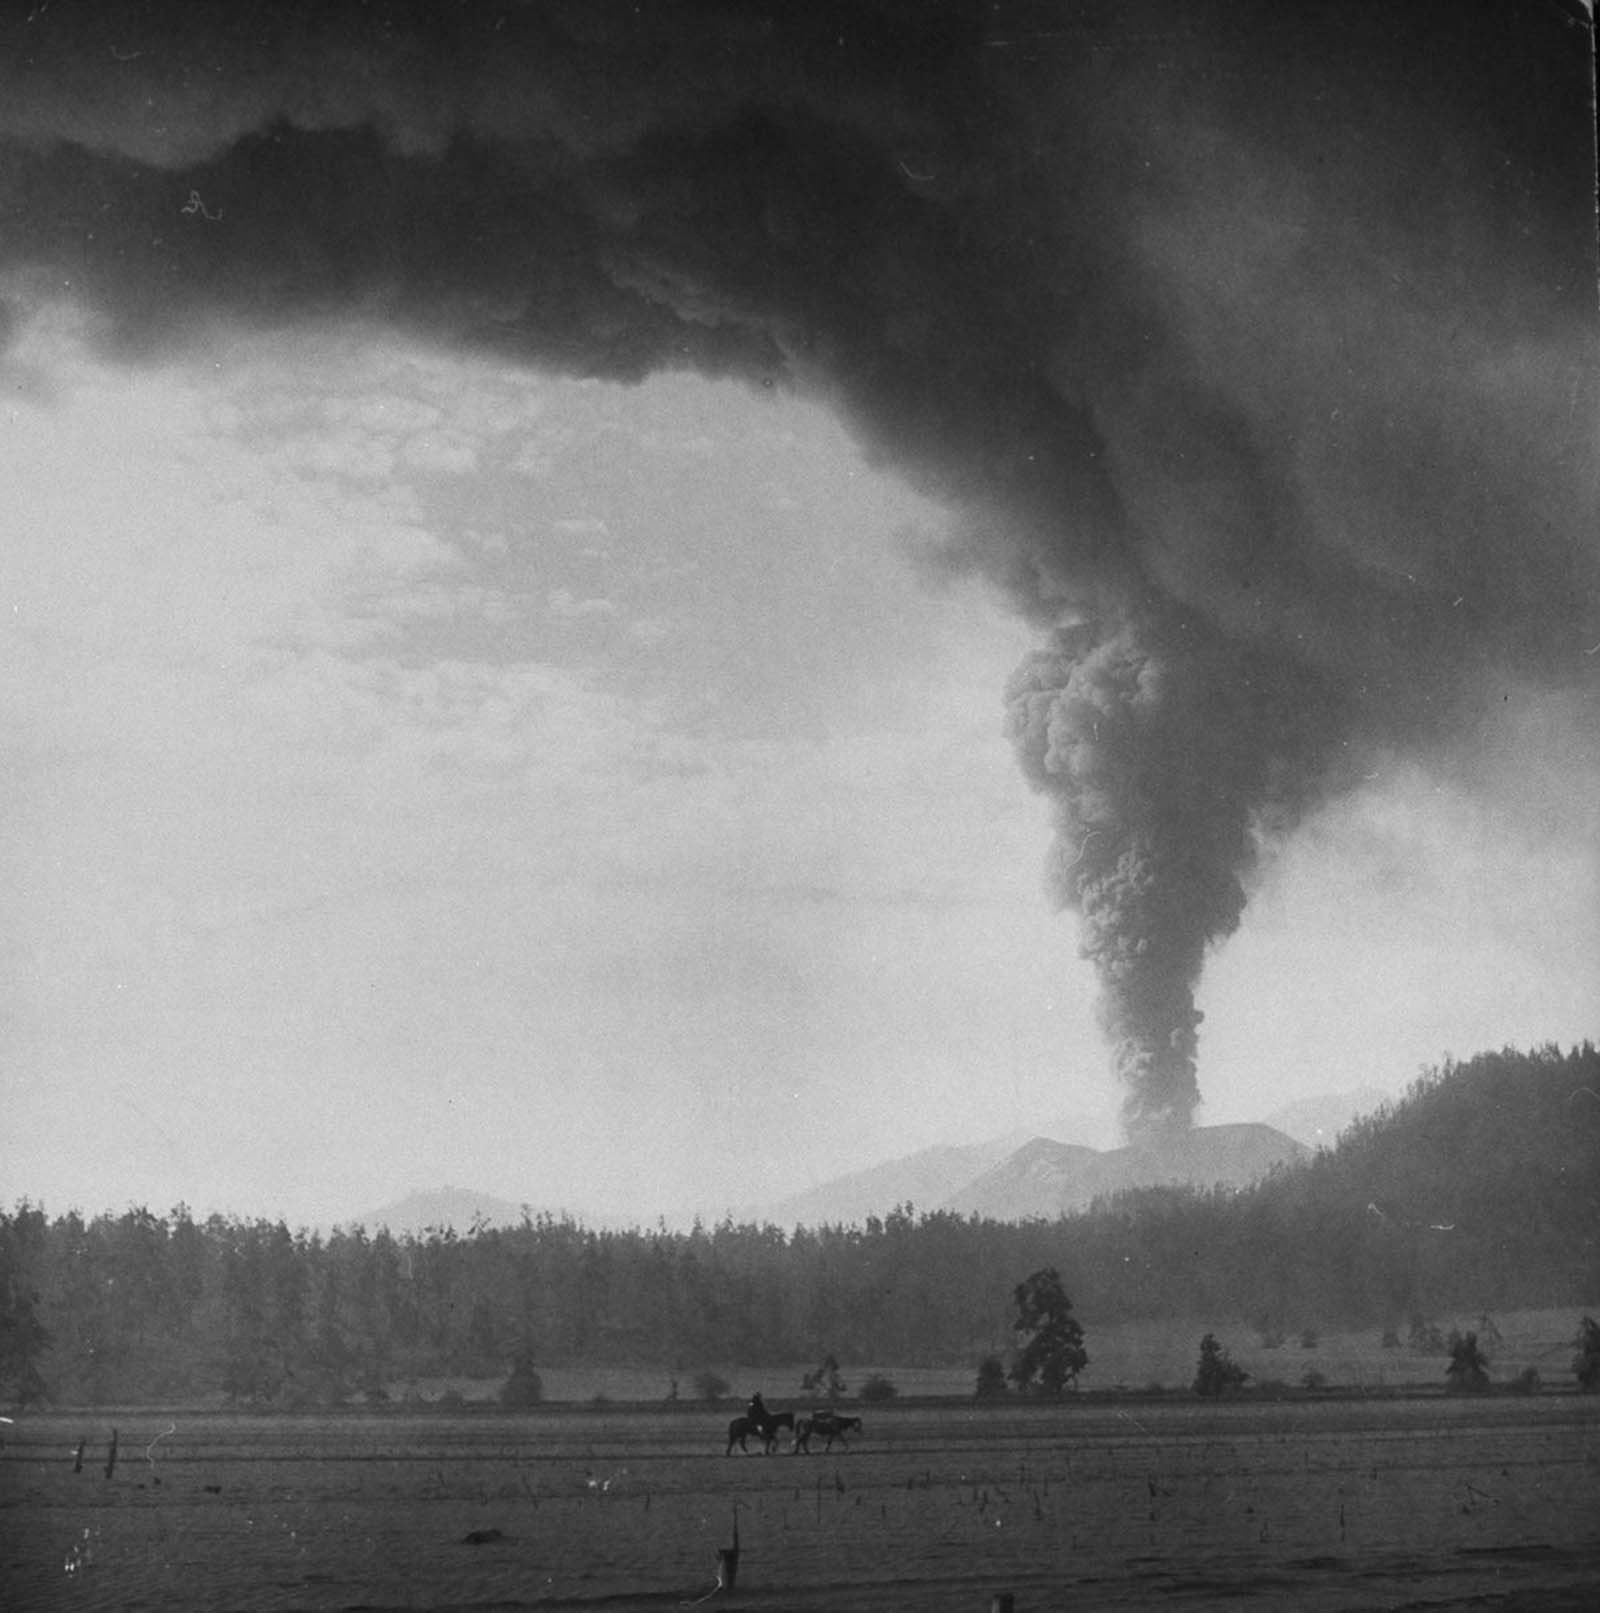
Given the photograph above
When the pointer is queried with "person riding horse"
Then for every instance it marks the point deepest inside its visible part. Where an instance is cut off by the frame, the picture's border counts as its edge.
(756, 1411)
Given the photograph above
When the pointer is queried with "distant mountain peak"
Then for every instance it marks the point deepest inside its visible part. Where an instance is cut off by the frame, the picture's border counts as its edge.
(1012, 1178)
(924, 1180)
(1049, 1179)
(453, 1207)
(1023, 1177)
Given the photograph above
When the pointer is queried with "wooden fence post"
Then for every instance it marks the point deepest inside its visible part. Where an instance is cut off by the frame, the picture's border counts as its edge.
(728, 1559)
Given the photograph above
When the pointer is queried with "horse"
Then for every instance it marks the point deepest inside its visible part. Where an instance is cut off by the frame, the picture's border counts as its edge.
(741, 1428)
(829, 1424)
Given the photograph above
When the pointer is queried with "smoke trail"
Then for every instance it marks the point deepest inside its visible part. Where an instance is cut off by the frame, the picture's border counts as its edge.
(1252, 345)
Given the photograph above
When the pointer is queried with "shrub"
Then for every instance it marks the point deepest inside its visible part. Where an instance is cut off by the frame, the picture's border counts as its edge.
(1468, 1372)
(710, 1386)
(1217, 1372)
(877, 1389)
(524, 1387)
(1269, 1332)
(825, 1380)
(1424, 1337)
(991, 1384)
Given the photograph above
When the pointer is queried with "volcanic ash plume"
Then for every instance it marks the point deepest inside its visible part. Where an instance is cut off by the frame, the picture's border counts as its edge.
(1167, 767)
(1253, 345)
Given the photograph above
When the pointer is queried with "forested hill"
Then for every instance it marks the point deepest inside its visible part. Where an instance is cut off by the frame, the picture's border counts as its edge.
(1479, 1191)
(1504, 1150)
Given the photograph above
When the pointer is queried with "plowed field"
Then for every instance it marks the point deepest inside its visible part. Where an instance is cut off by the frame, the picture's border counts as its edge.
(1338, 1505)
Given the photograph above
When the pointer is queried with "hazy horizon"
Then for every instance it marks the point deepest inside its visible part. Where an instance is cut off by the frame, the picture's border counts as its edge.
(1079, 1130)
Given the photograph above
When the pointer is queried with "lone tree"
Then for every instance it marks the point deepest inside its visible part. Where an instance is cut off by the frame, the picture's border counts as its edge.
(825, 1380)
(524, 1387)
(1218, 1372)
(991, 1384)
(1468, 1372)
(1586, 1363)
(1053, 1354)
(711, 1385)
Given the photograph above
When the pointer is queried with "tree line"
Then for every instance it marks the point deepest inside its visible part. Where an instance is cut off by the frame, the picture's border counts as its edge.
(1478, 1191)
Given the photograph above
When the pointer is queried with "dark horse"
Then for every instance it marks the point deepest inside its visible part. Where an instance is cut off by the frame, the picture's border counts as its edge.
(741, 1428)
(827, 1425)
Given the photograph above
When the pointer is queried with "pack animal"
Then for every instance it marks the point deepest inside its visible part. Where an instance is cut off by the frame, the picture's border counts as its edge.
(827, 1426)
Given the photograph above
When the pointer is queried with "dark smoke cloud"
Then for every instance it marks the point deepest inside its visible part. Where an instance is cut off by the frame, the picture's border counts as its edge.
(1254, 345)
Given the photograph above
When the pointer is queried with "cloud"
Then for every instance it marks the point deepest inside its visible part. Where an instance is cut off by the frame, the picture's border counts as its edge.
(450, 454)
(1255, 347)
(565, 606)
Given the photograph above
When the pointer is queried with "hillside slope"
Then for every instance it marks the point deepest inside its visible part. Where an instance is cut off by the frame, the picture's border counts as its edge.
(1485, 1175)
(448, 1208)
(1049, 1179)
(1319, 1122)
(1477, 1191)
(924, 1179)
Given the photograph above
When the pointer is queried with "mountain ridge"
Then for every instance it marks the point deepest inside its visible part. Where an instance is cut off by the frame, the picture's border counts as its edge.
(456, 1208)
(1018, 1176)
(1047, 1179)
(923, 1179)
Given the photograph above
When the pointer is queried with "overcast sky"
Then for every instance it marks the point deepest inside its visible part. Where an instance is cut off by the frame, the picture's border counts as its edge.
(425, 764)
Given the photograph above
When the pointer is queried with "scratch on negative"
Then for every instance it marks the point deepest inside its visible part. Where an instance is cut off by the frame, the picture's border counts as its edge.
(195, 205)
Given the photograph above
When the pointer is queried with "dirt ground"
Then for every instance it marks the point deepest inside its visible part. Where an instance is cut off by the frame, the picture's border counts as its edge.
(1342, 1505)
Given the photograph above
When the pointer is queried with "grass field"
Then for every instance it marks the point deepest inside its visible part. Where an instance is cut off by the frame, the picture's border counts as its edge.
(1312, 1505)
(1133, 1355)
